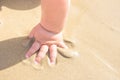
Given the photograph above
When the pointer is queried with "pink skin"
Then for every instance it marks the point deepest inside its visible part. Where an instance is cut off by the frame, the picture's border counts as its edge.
(48, 33)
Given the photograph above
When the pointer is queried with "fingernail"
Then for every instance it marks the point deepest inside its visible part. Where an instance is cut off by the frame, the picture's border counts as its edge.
(36, 62)
(26, 56)
(52, 62)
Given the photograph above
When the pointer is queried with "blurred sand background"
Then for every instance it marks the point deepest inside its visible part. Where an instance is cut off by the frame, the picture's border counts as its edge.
(93, 28)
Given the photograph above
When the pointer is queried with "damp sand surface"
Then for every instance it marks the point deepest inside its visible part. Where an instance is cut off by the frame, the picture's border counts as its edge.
(92, 34)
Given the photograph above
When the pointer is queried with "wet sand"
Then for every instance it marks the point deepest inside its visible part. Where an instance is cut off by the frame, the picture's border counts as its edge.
(92, 30)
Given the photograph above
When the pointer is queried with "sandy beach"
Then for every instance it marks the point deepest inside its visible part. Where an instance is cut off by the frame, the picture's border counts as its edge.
(92, 31)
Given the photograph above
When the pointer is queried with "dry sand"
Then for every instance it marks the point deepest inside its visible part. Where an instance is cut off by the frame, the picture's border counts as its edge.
(93, 30)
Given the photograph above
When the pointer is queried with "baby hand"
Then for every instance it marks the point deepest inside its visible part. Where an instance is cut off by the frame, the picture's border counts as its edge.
(45, 41)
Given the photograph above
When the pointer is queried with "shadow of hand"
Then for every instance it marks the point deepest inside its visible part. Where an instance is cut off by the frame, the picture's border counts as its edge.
(11, 52)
